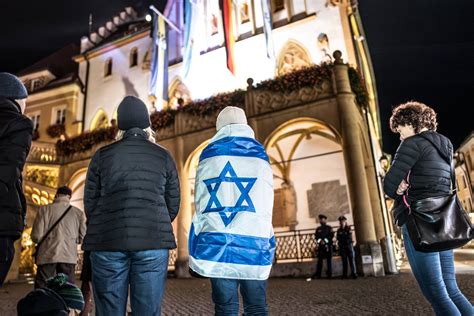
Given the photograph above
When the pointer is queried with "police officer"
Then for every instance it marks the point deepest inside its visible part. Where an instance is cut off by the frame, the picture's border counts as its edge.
(346, 248)
(324, 236)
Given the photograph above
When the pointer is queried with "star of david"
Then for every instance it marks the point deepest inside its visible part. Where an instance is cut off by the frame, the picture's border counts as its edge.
(243, 204)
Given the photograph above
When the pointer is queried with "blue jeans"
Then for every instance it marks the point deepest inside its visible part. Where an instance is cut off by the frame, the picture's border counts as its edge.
(225, 296)
(434, 272)
(113, 272)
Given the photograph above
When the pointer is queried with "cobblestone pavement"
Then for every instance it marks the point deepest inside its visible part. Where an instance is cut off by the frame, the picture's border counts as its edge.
(391, 295)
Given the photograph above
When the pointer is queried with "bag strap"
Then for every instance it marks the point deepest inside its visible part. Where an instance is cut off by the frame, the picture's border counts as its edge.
(52, 227)
(451, 163)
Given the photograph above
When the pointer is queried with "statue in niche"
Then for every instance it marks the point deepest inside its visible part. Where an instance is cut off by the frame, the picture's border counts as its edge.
(294, 58)
(179, 95)
(323, 46)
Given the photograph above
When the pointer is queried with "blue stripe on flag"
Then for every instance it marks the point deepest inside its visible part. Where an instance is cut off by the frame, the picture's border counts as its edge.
(154, 58)
(235, 146)
(232, 248)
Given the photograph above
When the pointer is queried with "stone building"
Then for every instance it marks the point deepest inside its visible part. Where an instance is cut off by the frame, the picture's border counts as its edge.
(319, 124)
(465, 172)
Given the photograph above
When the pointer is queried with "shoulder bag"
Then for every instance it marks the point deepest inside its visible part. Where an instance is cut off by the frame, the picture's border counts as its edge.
(439, 223)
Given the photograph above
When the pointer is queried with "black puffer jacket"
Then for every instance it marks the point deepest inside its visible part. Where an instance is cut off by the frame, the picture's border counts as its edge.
(425, 156)
(131, 196)
(15, 143)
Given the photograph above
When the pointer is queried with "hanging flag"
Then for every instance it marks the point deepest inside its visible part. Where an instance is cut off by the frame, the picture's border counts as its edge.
(267, 28)
(163, 48)
(227, 18)
(159, 61)
(154, 57)
(193, 22)
(174, 12)
(231, 234)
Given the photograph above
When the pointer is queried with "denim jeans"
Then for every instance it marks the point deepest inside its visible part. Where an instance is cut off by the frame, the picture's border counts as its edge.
(7, 252)
(113, 272)
(434, 272)
(225, 296)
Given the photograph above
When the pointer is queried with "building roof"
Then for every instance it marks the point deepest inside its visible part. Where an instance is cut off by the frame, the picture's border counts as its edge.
(124, 30)
(52, 71)
(466, 140)
(59, 63)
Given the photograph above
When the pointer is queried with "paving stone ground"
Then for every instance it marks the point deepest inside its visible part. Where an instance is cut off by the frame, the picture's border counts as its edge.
(390, 295)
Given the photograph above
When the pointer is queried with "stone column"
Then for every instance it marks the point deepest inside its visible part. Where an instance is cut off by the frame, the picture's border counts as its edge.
(375, 201)
(184, 215)
(368, 248)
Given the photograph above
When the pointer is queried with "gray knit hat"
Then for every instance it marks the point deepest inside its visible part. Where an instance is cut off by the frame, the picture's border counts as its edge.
(230, 115)
(11, 87)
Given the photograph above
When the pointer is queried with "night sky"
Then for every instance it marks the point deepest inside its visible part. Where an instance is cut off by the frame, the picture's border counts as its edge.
(421, 49)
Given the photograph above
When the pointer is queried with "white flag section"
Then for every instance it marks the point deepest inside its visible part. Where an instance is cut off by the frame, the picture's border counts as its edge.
(231, 234)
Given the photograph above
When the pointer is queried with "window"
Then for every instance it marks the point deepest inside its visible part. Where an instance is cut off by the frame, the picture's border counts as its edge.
(469, 160)
(35, 118)
(244, 12)
(133, 57)
(214, 24)
(278, 5)
(60, 116)
(108, 68)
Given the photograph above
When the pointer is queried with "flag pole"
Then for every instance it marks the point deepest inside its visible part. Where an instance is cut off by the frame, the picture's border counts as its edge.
(173, 26)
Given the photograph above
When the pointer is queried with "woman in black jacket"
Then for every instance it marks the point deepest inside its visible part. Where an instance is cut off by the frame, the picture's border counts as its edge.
(421, 169)
(131, 197)
(15, 143)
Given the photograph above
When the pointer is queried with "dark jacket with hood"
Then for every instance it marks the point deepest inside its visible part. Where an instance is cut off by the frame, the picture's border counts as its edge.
(15, 143)
(131, 196)
(426, 156)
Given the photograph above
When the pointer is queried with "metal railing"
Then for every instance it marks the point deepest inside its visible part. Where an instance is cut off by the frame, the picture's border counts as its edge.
(42, 152)
(299, 245)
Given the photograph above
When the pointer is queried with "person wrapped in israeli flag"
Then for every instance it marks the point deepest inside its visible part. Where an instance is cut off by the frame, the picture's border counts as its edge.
(231, 235)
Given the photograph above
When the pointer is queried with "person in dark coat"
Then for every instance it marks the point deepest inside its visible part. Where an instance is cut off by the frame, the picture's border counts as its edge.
(421, 169)
(131, 197)
(15, 142)
(324, 240)
(346, 247)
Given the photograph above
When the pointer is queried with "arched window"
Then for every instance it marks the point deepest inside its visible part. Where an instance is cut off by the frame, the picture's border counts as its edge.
(108, 67)
(278, 5)
(133, 58)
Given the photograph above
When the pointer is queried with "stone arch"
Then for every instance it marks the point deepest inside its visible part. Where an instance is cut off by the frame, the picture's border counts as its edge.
(293, 56)
(178, 90)
(190, 168)
(100, 120)
(77, 183)
(309, 173)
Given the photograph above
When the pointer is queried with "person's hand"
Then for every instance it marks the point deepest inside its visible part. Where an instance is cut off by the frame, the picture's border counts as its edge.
(402, 187)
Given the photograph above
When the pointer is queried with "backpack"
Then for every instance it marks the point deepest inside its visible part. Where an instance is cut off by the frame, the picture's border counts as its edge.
(42, 302)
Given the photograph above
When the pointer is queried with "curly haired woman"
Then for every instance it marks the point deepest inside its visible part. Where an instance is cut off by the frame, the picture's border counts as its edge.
(421, 167)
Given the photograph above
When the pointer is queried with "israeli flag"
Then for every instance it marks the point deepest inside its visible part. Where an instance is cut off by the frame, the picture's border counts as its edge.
(231, 235)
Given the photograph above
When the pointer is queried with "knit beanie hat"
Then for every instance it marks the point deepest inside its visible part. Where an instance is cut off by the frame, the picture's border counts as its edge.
(132, 112)
(70, 293)
(230, 115)
(11, 87)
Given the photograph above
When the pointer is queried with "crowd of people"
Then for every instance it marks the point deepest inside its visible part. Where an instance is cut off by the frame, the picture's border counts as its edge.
(132, 196)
